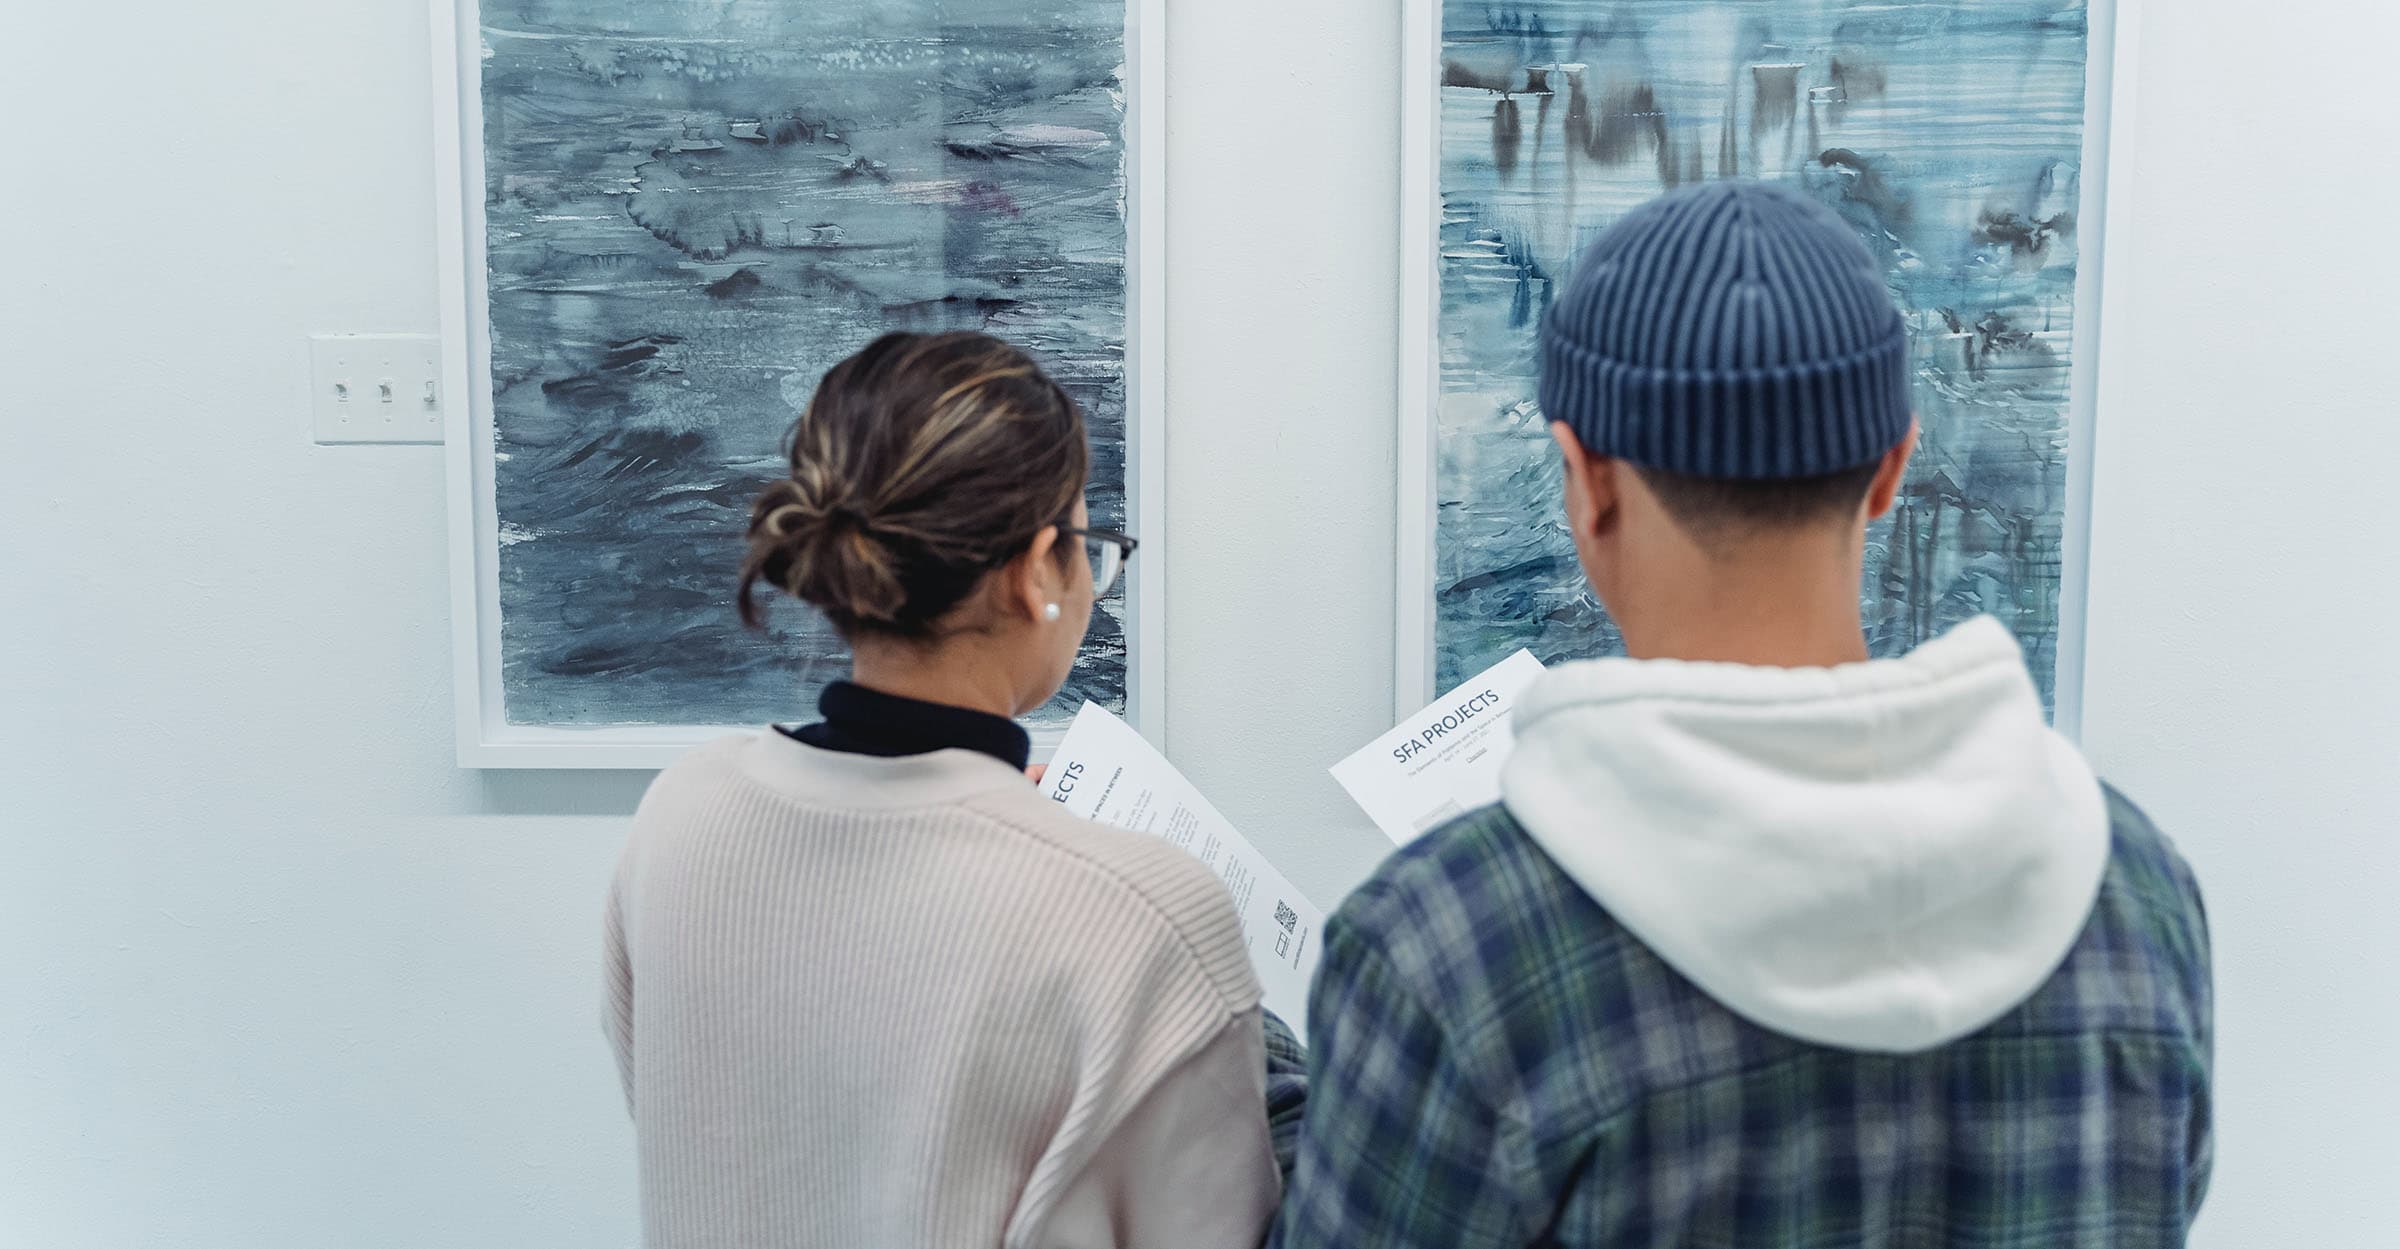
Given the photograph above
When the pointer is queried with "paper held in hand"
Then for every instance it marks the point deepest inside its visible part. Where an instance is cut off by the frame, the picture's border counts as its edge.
(1105, 771)
(1443, 761)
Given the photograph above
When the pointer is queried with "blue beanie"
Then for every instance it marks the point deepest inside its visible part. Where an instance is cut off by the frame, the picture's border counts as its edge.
(1732, 330)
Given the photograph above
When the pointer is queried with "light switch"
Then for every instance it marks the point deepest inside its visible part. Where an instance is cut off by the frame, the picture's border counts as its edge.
(375, 387)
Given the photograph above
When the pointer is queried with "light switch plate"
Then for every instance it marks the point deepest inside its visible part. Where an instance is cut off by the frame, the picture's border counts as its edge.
(375, 387)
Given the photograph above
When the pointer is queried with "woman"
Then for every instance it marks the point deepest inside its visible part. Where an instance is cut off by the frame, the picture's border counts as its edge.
(869, 988)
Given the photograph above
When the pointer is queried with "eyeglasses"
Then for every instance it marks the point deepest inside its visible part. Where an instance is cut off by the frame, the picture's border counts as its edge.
(1106, 549)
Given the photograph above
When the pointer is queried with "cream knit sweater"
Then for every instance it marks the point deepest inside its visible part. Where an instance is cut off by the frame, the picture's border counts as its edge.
(867, 1003)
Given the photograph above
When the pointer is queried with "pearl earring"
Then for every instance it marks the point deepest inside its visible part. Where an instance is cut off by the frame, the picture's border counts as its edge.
(1050, 611)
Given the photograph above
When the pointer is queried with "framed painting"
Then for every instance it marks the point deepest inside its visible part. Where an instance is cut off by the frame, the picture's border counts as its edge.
(1965, 140)
(660, 224)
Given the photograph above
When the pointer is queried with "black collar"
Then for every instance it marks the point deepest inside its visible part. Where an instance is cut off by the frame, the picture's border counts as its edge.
(861, 721)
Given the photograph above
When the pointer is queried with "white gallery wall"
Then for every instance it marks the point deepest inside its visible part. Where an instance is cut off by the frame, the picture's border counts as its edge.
(2240, 681)
(276, 973)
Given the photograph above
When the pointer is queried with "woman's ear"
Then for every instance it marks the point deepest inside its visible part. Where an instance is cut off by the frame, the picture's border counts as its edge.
(1033, 582)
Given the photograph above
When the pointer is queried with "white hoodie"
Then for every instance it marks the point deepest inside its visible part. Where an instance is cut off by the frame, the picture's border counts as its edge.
(1882, 856)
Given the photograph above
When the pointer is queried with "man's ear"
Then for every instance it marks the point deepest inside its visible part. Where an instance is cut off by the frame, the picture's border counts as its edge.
(1591, 485)
(1884, 491)
(1032, 581)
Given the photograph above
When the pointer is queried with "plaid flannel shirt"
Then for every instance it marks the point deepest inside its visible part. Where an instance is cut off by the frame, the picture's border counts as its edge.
(1287, 1091)
(1497, 1062)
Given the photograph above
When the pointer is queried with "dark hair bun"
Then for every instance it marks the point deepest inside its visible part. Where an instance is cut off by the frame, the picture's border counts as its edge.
(826, 555)
(922, 463)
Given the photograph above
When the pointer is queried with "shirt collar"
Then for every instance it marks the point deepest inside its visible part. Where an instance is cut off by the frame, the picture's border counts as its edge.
(861, 721)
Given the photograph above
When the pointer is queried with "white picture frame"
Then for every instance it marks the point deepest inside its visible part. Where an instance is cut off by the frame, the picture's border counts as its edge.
(2100, 317)
(485, 739)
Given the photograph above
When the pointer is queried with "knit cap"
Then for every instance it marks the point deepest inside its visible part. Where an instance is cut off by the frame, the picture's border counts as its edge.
(1732, 330)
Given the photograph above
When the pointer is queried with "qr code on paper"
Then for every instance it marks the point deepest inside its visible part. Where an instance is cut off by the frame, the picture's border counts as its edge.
(1285, 916)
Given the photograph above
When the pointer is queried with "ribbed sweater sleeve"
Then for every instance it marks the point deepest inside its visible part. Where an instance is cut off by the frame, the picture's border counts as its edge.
(1188, 1165)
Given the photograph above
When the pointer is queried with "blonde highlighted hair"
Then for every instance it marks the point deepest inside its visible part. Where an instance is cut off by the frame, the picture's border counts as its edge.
(922, 463)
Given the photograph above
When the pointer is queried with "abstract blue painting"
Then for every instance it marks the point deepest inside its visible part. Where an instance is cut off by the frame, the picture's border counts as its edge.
(691, 211)
(1950, 134)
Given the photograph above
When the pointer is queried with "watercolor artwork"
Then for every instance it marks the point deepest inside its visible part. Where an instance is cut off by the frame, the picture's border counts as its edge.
(1949, 135)
(690, 211)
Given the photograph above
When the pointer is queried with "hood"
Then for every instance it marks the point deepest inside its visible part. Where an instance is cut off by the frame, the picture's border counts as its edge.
(1882, 856)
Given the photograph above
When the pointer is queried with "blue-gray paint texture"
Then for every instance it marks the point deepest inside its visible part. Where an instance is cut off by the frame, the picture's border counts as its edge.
(1949, 134)
(693, 210)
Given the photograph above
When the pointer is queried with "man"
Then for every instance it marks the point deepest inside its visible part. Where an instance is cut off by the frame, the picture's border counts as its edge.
(1767, 944)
